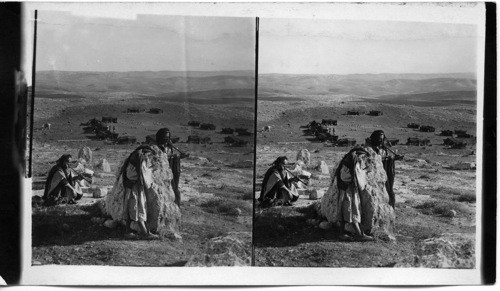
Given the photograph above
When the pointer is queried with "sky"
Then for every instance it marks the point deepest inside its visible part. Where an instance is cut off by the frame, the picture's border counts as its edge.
(72, 42)
(308, 46)
(375, 38)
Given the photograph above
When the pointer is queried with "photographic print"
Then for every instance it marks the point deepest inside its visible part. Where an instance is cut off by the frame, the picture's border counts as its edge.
(143, 138)
(276, 143)
(366, 154)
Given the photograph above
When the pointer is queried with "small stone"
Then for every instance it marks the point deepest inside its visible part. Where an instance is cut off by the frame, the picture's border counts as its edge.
(65, 227)
(36, 263)
(323, 168)
(325, 225)
(280, 228)
(238, 211)
(316, 194)
(386, 237)
(453, 213)
(100, 192)
(110, 223)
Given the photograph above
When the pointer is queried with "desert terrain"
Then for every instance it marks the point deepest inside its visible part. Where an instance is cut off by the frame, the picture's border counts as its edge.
(435, 202)
(216, 179)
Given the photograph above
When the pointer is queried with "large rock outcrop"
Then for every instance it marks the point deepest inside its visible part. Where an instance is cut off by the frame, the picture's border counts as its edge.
(376, 213)
(162, 212)
(235, 249)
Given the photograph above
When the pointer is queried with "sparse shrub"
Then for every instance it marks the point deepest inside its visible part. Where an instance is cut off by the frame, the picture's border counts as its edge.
(443, 208)
(226, 206)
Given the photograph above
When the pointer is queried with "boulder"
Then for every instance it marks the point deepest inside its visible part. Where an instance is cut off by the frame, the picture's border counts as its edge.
(100, 192)
(234, 249)
(85, 156)
(376, 213)
(305, 156)
(104, 166)
(163, 215)
(323, 168)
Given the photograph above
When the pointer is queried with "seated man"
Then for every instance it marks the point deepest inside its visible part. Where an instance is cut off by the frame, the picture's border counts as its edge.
(278, 186)
(60, 186)
(137, 177)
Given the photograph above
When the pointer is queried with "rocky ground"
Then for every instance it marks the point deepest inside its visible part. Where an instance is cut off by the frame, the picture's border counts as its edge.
(215, 184)
(435, 203)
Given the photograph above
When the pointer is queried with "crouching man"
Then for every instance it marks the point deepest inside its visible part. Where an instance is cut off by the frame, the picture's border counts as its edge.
(278, 186)
(61, 186)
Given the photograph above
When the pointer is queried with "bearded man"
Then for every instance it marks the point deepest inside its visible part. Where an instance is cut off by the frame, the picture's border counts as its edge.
(278, 186)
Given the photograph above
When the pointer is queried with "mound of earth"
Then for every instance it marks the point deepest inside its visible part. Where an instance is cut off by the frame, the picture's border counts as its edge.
(451, 250)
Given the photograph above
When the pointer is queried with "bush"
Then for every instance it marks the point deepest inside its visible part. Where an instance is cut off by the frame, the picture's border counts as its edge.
(226, 206)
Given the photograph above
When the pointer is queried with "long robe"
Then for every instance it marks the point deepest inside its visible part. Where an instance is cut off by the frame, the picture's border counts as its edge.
(273, 187)
(56, 189)
(135, 206)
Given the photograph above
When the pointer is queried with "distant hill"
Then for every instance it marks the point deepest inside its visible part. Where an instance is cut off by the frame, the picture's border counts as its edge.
(369, 85)
(443, 98)
(222, 96)
(150, 83)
